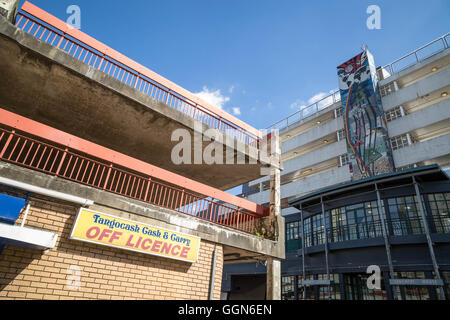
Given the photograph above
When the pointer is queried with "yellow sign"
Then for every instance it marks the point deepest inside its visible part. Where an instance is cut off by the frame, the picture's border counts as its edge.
(100, 228)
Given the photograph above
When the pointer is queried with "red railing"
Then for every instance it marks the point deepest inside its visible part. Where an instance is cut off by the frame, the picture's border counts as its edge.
(73, 165)
(55, 32)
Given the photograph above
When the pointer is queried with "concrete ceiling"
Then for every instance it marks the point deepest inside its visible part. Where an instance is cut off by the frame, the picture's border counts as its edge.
(47, 85)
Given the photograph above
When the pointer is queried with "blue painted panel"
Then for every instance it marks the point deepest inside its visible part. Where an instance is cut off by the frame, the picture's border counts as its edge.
(10, 208)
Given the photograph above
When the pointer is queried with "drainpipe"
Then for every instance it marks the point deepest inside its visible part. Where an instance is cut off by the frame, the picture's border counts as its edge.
(46, 192)
(213, 273)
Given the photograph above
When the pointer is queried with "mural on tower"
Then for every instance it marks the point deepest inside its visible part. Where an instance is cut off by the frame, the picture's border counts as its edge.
(368, 143)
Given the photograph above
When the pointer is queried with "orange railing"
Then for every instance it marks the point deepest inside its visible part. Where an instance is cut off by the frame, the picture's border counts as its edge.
(82, 47)
(57, 153)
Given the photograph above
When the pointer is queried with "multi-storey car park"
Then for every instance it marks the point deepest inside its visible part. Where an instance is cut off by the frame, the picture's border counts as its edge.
(414, 95)
(91, 204)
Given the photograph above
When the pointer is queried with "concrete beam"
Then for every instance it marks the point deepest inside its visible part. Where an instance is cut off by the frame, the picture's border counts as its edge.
(314, 134)
(418, 89)
(146, 213)
(420, 119)
(422, 151)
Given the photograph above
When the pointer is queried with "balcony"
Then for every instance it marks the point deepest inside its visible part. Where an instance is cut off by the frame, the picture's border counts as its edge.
(70, 81)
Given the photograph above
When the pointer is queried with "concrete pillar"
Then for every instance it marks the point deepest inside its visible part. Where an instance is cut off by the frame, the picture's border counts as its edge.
(274, 265)
(8, 9)
(273, 285)
(275, 201)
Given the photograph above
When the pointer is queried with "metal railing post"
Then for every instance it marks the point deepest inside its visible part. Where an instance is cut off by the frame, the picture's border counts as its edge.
(427, 233)
(7, 143)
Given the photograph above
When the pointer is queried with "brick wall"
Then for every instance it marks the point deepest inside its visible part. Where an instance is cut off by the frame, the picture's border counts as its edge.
(104, 273)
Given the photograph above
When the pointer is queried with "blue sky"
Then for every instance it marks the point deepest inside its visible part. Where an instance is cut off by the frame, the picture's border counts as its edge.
(258, 59)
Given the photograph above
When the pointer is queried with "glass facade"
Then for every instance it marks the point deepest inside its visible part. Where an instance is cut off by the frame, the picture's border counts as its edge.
(356, 288)
(287, 288)
(445, 276)
(405, 216)
(362, 220)
(293, 240)
(305, 293)
(357, 221)
(440, 211)
(335, 291)
(412, 292)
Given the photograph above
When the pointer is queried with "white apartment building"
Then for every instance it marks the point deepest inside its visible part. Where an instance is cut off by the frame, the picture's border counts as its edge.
(414, 92)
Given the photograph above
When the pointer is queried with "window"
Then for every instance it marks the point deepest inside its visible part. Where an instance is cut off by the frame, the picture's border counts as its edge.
(356, 288)
(292, 230)
(340, 135)
(338, 112)
(307, 232)
(357, 221)
(293, 239)
(440, 211)
(287, 288)
(334, 287)
(445, 275)
(317, 229)
(387, 89)
(411, 292)
(400, 142)
(343, 160)
(405, 217)
(306, 293)
(395, 113)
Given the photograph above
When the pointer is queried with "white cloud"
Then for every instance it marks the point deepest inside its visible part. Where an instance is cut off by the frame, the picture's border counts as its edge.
(230, 90)
(237, 111)
(301, 104)
(317, 97)
(216, 98)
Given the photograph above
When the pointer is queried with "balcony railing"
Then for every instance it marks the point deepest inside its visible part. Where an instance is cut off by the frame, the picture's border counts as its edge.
(127, 177)
(426, 51)
(82, 47)
(371, 229)
(308, 111)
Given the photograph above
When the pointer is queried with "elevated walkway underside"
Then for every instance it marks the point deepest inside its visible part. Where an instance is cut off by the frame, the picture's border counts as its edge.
(50, 86)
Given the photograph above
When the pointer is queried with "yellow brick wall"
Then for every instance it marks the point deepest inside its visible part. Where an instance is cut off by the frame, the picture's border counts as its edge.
(105, 273)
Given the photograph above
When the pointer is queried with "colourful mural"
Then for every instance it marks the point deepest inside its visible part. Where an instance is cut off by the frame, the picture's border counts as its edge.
(368, 144)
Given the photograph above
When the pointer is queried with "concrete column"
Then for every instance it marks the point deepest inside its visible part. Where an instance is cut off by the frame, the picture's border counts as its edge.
(273, 279)
(8, 9)
(275, 201)
(274, 265)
